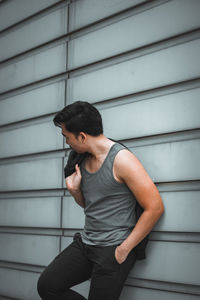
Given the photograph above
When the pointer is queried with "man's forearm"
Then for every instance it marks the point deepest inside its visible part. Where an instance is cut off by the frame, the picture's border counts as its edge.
(144, 225)
(78, 197)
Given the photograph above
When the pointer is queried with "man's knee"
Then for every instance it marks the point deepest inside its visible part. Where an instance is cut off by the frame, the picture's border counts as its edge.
(47, 285)
(51, 286)
(42, 286)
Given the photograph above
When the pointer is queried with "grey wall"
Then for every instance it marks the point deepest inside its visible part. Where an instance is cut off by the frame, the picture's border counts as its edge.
(138, 62)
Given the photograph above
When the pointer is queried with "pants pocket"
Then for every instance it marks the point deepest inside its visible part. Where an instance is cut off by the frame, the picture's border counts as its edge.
(109, 260)
(114, 248)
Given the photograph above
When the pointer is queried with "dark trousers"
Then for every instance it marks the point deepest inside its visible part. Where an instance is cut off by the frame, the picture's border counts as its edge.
(80, 262)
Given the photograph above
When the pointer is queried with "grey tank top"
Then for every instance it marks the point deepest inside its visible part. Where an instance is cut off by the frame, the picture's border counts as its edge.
(109, 205)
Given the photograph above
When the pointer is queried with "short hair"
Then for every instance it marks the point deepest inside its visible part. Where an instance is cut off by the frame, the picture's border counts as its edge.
(80, 116)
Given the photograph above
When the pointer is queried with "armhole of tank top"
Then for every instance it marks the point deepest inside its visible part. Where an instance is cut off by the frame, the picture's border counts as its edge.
(113, 177)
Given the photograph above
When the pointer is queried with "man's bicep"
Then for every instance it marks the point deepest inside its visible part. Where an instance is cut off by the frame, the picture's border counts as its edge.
(131, 171)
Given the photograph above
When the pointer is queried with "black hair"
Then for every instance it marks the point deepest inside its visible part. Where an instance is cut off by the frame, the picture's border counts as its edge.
(80, 116)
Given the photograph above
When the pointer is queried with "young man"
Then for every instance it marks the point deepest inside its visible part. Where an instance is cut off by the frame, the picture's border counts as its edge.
(107, 185)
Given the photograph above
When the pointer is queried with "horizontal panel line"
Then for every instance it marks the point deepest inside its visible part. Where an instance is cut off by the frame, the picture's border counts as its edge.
(65, 38)
(130, 281)
(149, 93)
(144, 50)
(116, 17)
(112, 102)
(44, 231)
(145, 95)
(168, 137)
(67, 74)
(27, 122)
(133, 282)
(37, 15)
(175, 236)
(32, 193)
(155, 236)
(173, 186)
(108, 61)
(107, 103)
(179, 186)
(35, 50)
(59, 153)
(158, 236)
(3, 297)
(183, 288)
(168, 286)
(135, 9)
(21, 266)
(34, 85)
(137, 52)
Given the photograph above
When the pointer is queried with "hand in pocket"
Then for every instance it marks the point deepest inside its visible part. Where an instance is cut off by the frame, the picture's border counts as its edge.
(120, 254)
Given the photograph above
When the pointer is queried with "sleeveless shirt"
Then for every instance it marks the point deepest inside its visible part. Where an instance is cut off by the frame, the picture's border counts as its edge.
(109, 205)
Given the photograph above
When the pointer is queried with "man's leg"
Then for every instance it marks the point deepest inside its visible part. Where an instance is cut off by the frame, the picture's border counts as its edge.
(69, 268)
(108, 276)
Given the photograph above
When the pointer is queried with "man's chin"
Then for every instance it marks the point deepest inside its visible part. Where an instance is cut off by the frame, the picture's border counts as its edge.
(78, 151)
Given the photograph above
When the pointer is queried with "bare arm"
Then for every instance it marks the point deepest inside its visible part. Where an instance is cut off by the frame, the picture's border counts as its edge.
(73, 183)
(129, 170)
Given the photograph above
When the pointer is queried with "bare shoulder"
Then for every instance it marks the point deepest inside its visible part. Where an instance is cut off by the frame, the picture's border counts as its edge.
(126, 165)
(129, 170)
(125, 158)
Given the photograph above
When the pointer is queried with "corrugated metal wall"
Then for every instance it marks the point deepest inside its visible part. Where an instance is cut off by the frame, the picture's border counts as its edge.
(138, 62)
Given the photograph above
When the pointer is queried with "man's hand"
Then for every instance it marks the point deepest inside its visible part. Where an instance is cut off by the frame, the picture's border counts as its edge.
(121, 254)
(73, 181)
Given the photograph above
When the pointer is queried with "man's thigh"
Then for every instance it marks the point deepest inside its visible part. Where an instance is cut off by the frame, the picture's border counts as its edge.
(69, 267)
(108, 276)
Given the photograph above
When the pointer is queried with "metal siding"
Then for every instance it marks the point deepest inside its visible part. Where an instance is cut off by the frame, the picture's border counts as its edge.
(23, 284)
(166, 261)
(145, 77)
(33, 103)
(89, 11)
(27, 140)
(28, 249)
(41, 212)
(31, 35)
(177, 161)
(136, 75)
(73, 215)
(31, 175)
(12, 12)
(145, 294)
(179, 111)
(39, 66)
(180, 208)
(134, 32)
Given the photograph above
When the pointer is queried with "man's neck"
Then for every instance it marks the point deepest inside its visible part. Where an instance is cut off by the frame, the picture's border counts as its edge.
(99, 146)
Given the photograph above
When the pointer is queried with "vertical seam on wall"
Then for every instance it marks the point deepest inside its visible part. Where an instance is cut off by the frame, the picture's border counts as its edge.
(67, 52)
(61, 209)
(65, 103)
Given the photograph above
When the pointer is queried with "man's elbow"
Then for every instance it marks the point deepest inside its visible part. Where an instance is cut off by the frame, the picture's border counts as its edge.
(157, 209)
(160, 209)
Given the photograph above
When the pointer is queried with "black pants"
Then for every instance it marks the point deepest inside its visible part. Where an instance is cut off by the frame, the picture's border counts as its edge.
(79, 262)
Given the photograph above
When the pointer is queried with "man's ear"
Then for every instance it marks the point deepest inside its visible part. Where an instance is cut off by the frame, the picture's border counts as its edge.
(82, 137)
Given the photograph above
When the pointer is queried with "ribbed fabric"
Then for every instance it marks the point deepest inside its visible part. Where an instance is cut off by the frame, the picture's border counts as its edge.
(109, 205)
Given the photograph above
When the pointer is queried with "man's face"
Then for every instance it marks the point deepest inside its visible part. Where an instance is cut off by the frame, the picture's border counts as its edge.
(72, 140)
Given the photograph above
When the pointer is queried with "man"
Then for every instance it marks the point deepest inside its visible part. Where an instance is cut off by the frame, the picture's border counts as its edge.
(107, 185)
